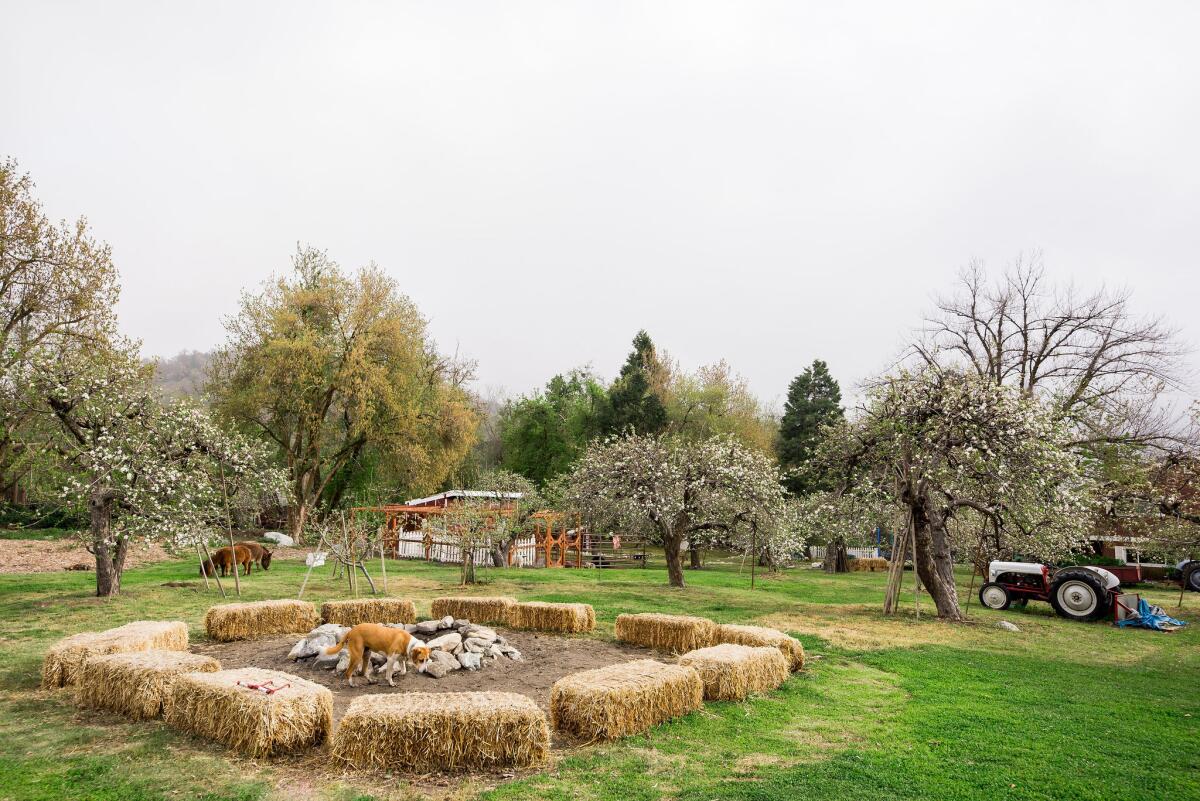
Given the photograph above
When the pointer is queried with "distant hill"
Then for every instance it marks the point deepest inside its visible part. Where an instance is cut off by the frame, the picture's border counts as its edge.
(183, 373)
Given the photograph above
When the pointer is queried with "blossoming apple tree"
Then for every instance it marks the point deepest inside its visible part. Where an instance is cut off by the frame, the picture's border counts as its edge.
(671, 489)
(146, 468)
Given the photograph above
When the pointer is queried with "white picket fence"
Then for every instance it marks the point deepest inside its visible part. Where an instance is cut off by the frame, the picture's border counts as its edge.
(412, 546)
(818, 552)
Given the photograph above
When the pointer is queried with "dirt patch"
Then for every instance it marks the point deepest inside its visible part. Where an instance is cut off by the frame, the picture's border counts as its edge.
(49, 556)
(546, 659)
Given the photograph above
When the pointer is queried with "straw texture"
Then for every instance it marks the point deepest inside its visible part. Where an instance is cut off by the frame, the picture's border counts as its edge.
(732, 672)
(540, 616)
(136, 684)
(676, 633)
(213, 705)
(623, 699)
(425, 732)
(871, 563)
(369, 610)
(477, 609)
(790, 647)
(64, 661)
(245, 621)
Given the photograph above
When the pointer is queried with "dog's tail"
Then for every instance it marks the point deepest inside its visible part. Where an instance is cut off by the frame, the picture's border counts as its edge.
(333, 649)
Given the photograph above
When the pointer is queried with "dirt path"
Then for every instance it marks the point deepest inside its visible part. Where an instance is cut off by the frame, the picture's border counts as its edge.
(49, 556)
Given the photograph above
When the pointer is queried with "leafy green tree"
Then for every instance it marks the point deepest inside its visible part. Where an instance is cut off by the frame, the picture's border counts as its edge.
(543, 434)
(58, 288)
(331, 366)
(635, 401)
(814, 400)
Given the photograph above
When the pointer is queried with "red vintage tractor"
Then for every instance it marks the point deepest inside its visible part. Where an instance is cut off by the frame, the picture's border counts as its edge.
(1076, 593)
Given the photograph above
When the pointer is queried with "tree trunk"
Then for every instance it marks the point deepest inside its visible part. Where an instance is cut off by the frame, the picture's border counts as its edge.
(297, 517)
(694, 554)
(671, 546)
(836, 560)
(110, 557)
(933, 563)
(500, 553)
(468, 566)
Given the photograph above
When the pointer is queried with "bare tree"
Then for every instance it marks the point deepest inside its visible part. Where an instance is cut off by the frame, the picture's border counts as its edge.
(1103, 368)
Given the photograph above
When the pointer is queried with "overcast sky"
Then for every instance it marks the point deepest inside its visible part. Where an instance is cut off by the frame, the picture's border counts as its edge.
(760, 182)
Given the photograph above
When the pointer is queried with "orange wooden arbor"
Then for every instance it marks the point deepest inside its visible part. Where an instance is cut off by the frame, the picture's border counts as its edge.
(552, 537)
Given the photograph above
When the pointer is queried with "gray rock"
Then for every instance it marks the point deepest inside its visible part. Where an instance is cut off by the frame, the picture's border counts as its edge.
(279, 539)
(343, 661)
(461, 622)
(494, 651)
(469, 661)
(446, 622)
(427, 627)
(482, 633)
(447, 642)
(328, 661)
(514, 655)
(440, 663)
(1004, 624)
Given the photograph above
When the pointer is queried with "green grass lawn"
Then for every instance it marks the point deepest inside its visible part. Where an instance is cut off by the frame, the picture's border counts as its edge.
(892, 709)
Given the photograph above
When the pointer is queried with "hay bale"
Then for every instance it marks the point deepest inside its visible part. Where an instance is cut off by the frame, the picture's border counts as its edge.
(369, 610)
(136, 684)
(732, 672)
(478, 609)
(426, 732)
(865, 563)
(64, 661)
(214, 705)
(623, 699)
(244, 621)
(541, 616)
(675, 633)
(790, 647)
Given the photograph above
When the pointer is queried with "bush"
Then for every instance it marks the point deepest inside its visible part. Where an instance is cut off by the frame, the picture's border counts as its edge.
(35, 517)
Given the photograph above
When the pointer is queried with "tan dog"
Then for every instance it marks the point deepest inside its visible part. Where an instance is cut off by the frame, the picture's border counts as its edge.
(396, 644)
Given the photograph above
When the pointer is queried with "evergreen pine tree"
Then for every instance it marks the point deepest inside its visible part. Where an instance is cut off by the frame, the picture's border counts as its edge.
(633, 405)
(814, 399)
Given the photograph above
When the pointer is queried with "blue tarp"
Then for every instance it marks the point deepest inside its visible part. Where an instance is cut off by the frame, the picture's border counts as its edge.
(1151, 617)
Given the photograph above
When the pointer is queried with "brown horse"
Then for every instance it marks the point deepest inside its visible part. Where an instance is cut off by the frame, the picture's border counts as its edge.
(228, 559)
(261, 556)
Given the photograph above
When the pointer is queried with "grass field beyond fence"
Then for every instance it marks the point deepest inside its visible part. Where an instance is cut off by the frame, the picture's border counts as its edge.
(891, 709)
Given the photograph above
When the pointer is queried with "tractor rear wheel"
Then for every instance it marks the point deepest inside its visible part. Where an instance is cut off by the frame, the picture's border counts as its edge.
(1191, 576)
(1079, 594)
(994, 596)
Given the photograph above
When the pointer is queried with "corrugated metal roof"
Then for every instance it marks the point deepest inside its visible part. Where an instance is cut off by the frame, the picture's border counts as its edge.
(514, 496)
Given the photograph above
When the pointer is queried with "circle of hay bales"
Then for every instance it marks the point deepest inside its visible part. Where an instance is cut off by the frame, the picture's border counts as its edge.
(623, 699)
(64, 661)
(732, 672)
(245, 621)
(442, 731)
(369, 610)
(790, 647)
(675, 633)
(477, 609)
(215, 706)
(136, 684)
(542, 616)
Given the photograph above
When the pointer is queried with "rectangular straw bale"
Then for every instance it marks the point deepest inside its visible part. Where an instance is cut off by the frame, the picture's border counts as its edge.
(623, 699)
(865, 563)
(790, 647)
(369, 610)
(675, 633)
(477, 609)
(427, 732)
(244, 621)
(732, 672)
(64, 661)
(542, 616)
(136, 684)
(213, 705)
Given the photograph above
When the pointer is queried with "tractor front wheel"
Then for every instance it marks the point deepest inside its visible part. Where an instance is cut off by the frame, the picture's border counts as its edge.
(1079, 594)
(994, 596)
